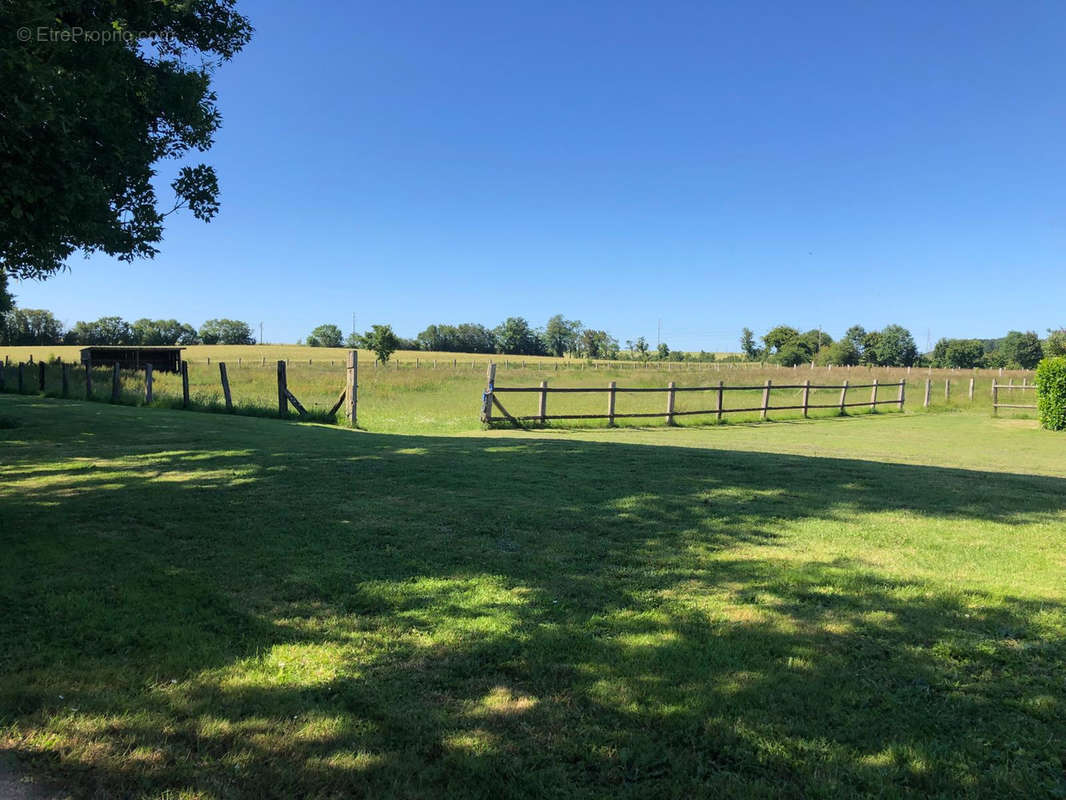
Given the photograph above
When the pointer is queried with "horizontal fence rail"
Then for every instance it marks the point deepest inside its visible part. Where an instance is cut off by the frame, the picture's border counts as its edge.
(1009, 387)
(612, 390)
(31, 377)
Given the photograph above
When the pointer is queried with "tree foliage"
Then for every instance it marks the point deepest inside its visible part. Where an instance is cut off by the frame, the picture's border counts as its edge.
(1051, 393)
(895, 347)
(85, 121)
(7, 301)
(1022, 349)
(163, 332)
(958, 353)
(748, 345)
(26, 326)
(562, 336)
(515, 337)
(382, 340)
(641, 346)
(226, 331)
(785, 345)
(325, 336)
(468, 337)
(777, 337)
(1055, 344)
(597, 344)
(104, 331)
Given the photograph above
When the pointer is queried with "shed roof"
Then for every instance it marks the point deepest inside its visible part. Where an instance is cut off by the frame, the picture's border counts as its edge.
(131, 347)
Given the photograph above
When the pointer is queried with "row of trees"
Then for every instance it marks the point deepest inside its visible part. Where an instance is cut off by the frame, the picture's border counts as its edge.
(1016, 350)
(513, 336)
(892, 346)
(34, 326)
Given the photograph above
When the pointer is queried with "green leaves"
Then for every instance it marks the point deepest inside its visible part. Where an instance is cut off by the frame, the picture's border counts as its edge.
(1051, 393)
(88, 115)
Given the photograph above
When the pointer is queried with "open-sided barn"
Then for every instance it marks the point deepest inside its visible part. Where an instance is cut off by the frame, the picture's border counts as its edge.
(165, 359)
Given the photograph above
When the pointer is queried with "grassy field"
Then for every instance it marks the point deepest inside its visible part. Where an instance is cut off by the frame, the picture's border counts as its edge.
(207, 607)
(257, 354)
(403, 398)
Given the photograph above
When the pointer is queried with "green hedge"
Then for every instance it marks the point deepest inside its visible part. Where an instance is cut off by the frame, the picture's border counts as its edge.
(1051, 393)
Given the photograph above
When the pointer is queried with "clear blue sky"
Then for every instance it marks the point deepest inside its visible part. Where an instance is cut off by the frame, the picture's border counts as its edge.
(714, 165)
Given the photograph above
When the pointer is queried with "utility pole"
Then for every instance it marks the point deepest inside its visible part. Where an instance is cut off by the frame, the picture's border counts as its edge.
(353, 323)
(260, 333)
(659, 334)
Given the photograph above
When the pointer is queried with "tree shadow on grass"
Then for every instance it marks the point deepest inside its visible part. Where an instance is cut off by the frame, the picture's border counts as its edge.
(239, 608)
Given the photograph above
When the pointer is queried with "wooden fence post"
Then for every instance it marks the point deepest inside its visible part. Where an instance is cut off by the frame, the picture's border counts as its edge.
(843, 396)
(65, 373)
(995, 398)
(947, 389)
(765, 400)
(116, 386)
(542, 406)
(184, 384)
(40, 375)
(902, 391)
(806, 396)
(89, 380)
(928, 391)
(225, 385)
(3, 378)
(610, 403)
(148, 383)
(873, 397)
(971, 389)
(486, 398)
(670, 404)
(351, 387)
(283, 391)
(718, 402)
(21, 378)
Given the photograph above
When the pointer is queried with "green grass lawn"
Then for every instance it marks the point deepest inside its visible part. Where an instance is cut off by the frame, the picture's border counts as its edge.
(205, 606)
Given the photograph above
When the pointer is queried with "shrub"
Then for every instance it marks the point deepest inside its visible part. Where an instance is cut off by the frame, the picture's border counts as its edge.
(1051, 393)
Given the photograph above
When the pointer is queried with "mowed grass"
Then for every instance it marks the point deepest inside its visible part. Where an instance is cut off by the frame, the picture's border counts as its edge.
(434, 396)
(211, 607)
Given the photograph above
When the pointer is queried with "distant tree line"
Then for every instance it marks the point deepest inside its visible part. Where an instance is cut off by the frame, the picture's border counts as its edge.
(34, 326)
(893, 346)
(889, 347)
(513, 336)
(1016, 350)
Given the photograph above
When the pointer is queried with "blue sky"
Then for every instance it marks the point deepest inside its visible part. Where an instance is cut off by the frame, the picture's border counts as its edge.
(713, 165)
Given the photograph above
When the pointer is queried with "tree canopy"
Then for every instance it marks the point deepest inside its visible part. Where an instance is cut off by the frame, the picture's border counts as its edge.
(94, 95)
(326, 336)
(226, 331)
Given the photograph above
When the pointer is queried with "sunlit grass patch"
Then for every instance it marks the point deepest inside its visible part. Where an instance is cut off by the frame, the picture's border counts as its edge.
(207, 607)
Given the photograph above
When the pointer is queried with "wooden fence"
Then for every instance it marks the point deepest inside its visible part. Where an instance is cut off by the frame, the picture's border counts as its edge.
(348, 396)
(1009, 387)
(490, 399)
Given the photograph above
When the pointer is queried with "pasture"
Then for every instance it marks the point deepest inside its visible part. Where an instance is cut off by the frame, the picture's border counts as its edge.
(425, 393)
(198, 606)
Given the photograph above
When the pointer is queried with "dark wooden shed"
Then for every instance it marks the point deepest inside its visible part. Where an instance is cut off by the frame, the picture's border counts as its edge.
(164, 359)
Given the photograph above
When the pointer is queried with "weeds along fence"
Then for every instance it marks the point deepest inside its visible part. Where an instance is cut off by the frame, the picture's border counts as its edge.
(840, 404)
(136, 387)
